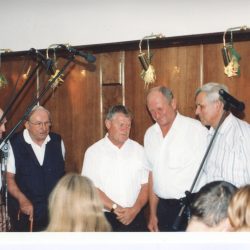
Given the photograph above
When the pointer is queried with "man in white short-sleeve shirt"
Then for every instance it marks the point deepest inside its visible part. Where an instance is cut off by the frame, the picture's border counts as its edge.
(174, 146)
(117, 166)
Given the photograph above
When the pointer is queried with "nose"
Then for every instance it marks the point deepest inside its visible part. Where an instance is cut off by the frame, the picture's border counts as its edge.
(156, 115)
(197, 110)
(43, 125)
(125, 127)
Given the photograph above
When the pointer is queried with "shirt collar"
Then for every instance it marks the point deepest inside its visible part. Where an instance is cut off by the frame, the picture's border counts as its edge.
(224, 126)
(174, 125)
(29, 140)
(111, 144)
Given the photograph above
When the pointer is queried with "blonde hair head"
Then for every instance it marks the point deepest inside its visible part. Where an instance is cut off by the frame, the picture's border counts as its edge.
(239, 209)
(74, 206)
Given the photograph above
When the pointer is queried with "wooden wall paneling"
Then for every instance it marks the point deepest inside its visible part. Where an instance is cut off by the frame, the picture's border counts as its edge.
(75, 109)
(135, 96)
(79, 105)
(179, 69)
(111, 83)
(238, 85)
(14, 70)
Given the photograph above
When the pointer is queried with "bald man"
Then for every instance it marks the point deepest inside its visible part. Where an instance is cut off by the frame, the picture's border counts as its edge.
(174, 146)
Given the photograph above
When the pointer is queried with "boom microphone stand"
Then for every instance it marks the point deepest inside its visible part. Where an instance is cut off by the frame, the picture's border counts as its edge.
(6, 111)
(36, 100)
(3, 142)
(5, 221)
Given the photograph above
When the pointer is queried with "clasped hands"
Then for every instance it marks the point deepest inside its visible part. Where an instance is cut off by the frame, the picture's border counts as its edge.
(125, 215)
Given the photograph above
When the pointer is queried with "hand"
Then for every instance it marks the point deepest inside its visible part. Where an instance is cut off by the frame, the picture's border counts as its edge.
(153, 224)
(26, 207)
(126, 215)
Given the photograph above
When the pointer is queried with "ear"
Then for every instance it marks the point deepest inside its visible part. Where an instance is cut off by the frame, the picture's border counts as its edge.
(108, 124)
(174, 104)
(219, 105)
(27, 125)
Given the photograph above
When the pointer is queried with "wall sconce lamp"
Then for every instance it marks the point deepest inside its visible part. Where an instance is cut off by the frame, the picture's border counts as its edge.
(52, 66)
(148, 71)
(3, 80)
(230, 56)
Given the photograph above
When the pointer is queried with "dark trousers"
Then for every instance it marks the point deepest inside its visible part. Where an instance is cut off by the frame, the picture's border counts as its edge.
(20, 222)
(139, 223)
(23, 224)
(167, 212)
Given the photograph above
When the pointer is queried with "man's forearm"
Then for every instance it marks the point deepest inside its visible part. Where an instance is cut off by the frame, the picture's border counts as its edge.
(153, 199)
(13, 189)
(142, 198)
(107, 202)
(25, 204)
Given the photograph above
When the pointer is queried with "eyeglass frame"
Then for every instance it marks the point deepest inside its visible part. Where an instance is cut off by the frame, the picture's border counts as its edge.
(40, 124)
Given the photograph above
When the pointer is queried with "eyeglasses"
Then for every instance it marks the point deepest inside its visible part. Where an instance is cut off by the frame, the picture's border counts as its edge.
(41, 124)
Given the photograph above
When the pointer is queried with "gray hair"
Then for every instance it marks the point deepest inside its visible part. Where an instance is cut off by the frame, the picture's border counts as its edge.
(166, 92)
(211, 202)
(118, 109)
(212, 91)
(36, 108)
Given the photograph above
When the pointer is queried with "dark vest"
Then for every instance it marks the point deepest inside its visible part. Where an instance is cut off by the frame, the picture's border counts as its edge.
(34, 180)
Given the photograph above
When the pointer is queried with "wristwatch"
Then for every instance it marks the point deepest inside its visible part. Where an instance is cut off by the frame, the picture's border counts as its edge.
(114, 206)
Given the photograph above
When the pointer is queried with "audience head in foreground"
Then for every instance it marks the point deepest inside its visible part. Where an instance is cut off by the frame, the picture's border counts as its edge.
(74, 206)
(209, 208)
(239, 210)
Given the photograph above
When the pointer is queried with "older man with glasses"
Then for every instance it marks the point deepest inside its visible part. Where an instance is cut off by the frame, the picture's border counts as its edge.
(35, 164)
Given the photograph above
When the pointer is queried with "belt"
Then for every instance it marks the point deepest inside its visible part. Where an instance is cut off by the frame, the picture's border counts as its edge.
(172, 202)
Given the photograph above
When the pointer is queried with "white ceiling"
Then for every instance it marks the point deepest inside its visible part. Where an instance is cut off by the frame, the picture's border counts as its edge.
(39, 23)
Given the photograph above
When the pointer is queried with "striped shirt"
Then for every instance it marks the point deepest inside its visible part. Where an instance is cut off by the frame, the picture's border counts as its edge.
(229, 157)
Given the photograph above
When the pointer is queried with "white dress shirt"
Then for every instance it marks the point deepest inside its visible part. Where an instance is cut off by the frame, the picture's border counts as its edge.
(118, 172)
(175, 158)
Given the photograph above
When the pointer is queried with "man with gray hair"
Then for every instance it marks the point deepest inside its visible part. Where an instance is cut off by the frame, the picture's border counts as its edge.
(210, 206)
(229, 158)
(35, 164)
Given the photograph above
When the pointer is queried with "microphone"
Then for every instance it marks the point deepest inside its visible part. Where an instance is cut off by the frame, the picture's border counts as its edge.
(87, 56)
(234, 103)
(47, 62)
